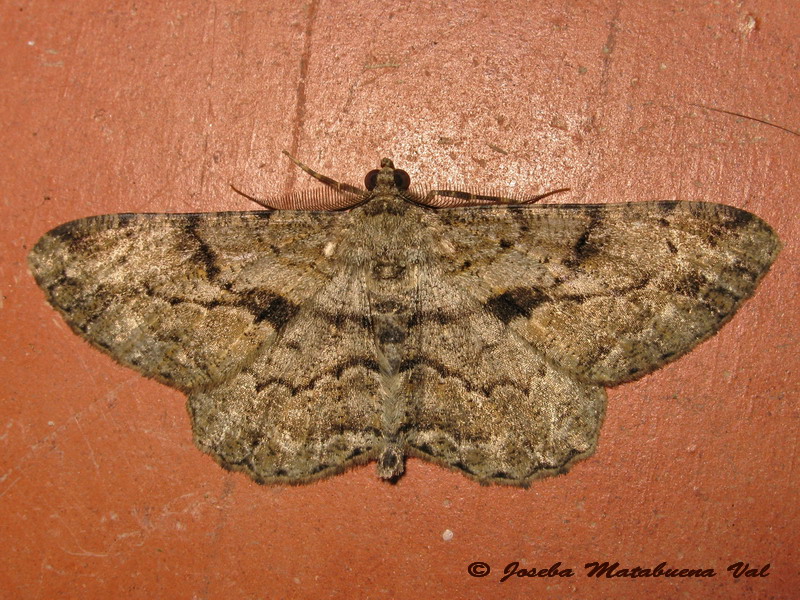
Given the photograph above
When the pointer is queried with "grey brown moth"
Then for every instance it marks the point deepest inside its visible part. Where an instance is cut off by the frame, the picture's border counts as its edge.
(478, 337)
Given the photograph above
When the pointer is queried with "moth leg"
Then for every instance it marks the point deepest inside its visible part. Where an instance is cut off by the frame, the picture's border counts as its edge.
(478, 200)
(344, 188)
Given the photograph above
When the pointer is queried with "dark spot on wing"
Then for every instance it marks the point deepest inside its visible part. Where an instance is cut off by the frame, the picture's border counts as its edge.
(691, 284)
(516, 302)
(426, 448)
(585, 247)
(266, 306)
(203, 254)
(354, 453)
(460, 465)
(738, 218)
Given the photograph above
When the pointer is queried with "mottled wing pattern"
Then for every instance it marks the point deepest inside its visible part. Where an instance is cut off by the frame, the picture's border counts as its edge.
(479, 338)
(610, 292)
(181, 298)
(309, 406)
(484, 400)
(526, 312)
(226, 307)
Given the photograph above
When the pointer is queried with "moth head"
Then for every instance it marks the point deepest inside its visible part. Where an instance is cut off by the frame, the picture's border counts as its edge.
(387, 177)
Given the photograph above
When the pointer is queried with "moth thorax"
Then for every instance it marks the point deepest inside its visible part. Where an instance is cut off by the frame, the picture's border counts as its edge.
(388, 271)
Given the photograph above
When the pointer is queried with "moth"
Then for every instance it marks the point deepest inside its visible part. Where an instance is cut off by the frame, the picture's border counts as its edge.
(479, 337)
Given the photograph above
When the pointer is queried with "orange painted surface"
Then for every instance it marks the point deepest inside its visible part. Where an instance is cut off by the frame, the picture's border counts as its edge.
(156, 107)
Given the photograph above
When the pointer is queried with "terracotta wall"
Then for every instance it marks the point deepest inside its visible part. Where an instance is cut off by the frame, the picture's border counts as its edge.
(157, 107)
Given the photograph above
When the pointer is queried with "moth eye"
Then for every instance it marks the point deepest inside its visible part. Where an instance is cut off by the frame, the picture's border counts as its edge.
(371, 180)
(401, 179)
